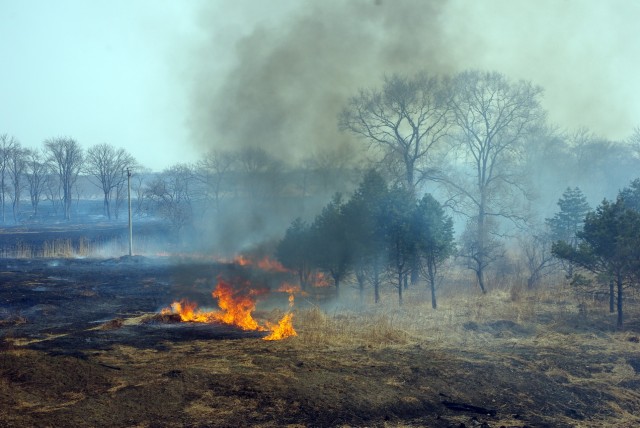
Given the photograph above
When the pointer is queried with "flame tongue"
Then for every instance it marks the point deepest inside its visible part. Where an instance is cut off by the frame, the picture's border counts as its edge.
(236, 306)
(283, 329)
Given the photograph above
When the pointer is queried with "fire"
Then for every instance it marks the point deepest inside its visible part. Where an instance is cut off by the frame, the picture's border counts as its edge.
(236, 308)
(242, 260)
(285, 287)
(271, 265)
(264, 263)
(320, 280)
(189, 312)
(291, 289)
(284, 328)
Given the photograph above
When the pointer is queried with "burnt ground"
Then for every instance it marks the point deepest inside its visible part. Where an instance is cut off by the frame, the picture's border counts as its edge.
(73, 354)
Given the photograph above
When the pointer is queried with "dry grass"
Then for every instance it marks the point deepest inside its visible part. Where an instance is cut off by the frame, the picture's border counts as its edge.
(545, 331)
(79, 248)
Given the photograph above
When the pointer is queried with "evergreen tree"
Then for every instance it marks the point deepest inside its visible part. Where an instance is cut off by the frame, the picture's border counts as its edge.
(608, 247)
(294, 250)
(434, 232)
(332, 249)
(631, 195)
(567, 223)
(364, 232)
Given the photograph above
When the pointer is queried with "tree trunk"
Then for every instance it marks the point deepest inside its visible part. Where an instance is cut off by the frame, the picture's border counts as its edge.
(400, 288)
(480, 276)
(336, 280)
(432, 283)
(481, 256)
(620, 316)
(107, 209)
(376, 283)
(611, 297)
(360, 278)
(3, 200)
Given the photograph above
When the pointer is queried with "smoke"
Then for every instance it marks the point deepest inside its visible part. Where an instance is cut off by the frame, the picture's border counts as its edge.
(277, 76)
(290, 80)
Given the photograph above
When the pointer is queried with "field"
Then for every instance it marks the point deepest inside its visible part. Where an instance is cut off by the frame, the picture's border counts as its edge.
(79, 346)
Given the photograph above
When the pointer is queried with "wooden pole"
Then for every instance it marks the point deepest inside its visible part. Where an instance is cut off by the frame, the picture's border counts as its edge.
(130, 222)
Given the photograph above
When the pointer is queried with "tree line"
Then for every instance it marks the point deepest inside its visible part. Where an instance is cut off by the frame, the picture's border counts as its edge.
(52, 171)
(379, 235)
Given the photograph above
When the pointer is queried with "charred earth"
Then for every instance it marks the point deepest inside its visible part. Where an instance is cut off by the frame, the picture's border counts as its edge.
(83, 343)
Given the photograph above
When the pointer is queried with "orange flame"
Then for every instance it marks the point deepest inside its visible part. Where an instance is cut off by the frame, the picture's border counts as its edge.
(271, 265)
(285, 287)
(242, 260)
(189, 312)
(236, 306)
(264, 263)
(283, 330)
(320, 280)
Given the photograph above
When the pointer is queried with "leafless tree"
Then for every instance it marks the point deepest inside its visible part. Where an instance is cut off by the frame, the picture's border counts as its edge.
(171, 195)
(67, 159)
(53, 189)
(405, 122)
(138, 187)
(333, 167)
(212, 171)
(262, 172)
(7, 143)
(107, 166)
(36, 172)
(492, 116)
(536, 249)
(16, 168)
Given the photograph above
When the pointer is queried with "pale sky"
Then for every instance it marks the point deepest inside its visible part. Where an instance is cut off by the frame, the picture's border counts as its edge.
(153, 76)
(96, 71)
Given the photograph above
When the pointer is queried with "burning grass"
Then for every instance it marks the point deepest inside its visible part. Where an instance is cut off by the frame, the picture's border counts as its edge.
(525, 357)
(237, 304)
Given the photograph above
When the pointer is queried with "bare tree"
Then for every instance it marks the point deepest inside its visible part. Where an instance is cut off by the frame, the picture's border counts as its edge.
(536, 249)
(171, 195)
(492, 116)
(36, 172)
(212, 171)
(7, 144)
(139, 189)
(67, 158)
(404, 121)
(262, 172)
(108, 167)
(17, 160)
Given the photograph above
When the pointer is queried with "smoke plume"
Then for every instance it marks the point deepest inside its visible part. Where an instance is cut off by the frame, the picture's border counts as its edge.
(291, 72)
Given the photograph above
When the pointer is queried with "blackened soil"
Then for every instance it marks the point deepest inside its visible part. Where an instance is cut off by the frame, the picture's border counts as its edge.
(70, 356)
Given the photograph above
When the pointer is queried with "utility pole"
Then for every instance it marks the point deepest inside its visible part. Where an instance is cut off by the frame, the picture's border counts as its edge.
(130, 222)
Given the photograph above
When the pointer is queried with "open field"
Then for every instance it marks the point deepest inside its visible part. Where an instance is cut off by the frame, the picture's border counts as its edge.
(75, 352)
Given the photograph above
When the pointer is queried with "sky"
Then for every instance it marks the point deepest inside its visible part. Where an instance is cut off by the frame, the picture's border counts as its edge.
(168, 80)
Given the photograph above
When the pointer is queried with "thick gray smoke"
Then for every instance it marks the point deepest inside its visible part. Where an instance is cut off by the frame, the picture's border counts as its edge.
(291, 79)
(294, 64)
